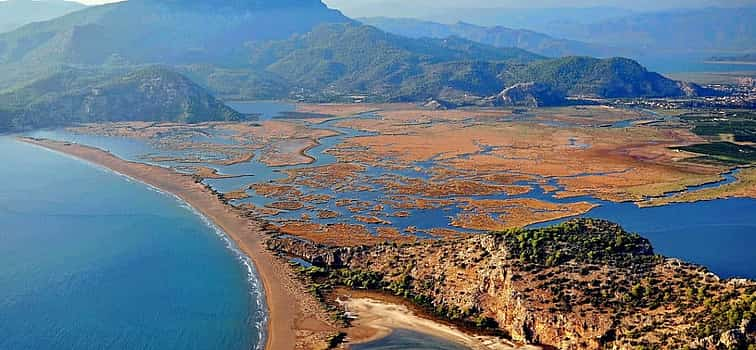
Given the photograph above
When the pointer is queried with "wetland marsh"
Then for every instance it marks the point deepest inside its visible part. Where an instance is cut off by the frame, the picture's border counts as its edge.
(350, 175)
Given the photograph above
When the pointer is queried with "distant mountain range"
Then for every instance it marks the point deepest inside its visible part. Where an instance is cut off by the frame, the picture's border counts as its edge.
(496, 36)
(175, 32)
(748, 58)
(16, 13)
(532, 18)
(296, 49)
(709, 29)
(702, 31)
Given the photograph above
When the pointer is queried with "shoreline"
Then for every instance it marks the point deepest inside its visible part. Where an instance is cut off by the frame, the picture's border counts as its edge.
(287, 315)
(378, 315)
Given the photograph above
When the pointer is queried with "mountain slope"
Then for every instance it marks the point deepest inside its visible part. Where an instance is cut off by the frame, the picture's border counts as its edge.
(610, 78)
(496, 36)
(354, 59)
(17, 13)
(362, 59)
(299, 49)
(151, 31)
(79, 96)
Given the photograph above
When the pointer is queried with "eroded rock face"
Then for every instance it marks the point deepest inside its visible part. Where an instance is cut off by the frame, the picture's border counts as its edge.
(530, 95)
(586, 284)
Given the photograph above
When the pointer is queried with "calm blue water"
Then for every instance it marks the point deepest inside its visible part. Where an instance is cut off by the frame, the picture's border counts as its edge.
(265, 109)
(719, 234)
(401, 339)
(91, 260)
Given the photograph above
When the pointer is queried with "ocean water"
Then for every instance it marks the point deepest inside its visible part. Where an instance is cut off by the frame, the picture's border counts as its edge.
(92, 260)
(401, 339)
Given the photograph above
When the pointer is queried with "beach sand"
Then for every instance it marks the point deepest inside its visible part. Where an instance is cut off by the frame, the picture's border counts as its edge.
(296, 320)
(378, 314)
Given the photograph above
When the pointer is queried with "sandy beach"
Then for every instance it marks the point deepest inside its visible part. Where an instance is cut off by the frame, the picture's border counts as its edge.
(376, 315)
(295, 320)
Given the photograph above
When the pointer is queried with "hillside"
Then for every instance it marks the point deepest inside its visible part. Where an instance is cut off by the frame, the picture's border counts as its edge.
(153, 31)
(495, 36)
(300, 49)
(610, 78)
(337, 60)
(17, 13)
(78, 96)
(585, 284)
(344, 59)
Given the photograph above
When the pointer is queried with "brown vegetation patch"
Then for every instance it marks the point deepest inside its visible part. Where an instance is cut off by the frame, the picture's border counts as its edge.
(236, 195)
(210, 173)
(521, 212)
(342, 235)
(327, 214)
(371, 220)
(409, 186)
(286, 205)
(339, 176)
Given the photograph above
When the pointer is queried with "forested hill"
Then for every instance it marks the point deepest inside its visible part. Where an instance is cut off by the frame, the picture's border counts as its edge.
(79, 96)
(340, 59)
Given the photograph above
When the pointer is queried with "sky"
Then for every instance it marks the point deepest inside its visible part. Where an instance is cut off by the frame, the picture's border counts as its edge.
(351, 5)
(631, 4)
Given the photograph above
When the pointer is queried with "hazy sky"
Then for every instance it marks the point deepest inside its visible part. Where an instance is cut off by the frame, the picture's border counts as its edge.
(348, 5)
(633, 4)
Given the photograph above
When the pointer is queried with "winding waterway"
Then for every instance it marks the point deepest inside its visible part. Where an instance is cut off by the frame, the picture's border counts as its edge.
(717, 234)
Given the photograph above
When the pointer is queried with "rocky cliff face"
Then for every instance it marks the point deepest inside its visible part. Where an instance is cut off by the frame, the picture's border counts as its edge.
(583, 285)
(529, 95)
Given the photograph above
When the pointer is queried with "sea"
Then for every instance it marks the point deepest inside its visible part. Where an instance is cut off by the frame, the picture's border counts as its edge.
(90, 259)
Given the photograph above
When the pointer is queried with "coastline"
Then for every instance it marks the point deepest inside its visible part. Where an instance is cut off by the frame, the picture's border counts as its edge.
(377, 315)
(290, 318)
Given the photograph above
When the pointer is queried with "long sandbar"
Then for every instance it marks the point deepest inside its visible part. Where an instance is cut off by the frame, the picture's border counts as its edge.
(286, 314)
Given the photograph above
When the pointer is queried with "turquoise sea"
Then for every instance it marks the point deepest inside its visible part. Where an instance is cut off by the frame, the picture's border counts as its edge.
(92, 260)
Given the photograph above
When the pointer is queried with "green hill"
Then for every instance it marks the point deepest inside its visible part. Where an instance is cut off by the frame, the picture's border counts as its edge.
(610, 78)
(344, 59)
(81, 96)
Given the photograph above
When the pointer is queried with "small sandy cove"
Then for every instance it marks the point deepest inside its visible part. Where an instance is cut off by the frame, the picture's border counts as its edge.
(376, 315)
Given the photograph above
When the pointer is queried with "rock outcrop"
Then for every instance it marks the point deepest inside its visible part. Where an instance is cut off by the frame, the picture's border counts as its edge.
(529, 95)
(586, 284)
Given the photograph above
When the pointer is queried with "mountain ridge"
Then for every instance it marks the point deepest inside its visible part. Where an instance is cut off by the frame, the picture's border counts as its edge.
(302, 50)
(17, 13)
(499, 36)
